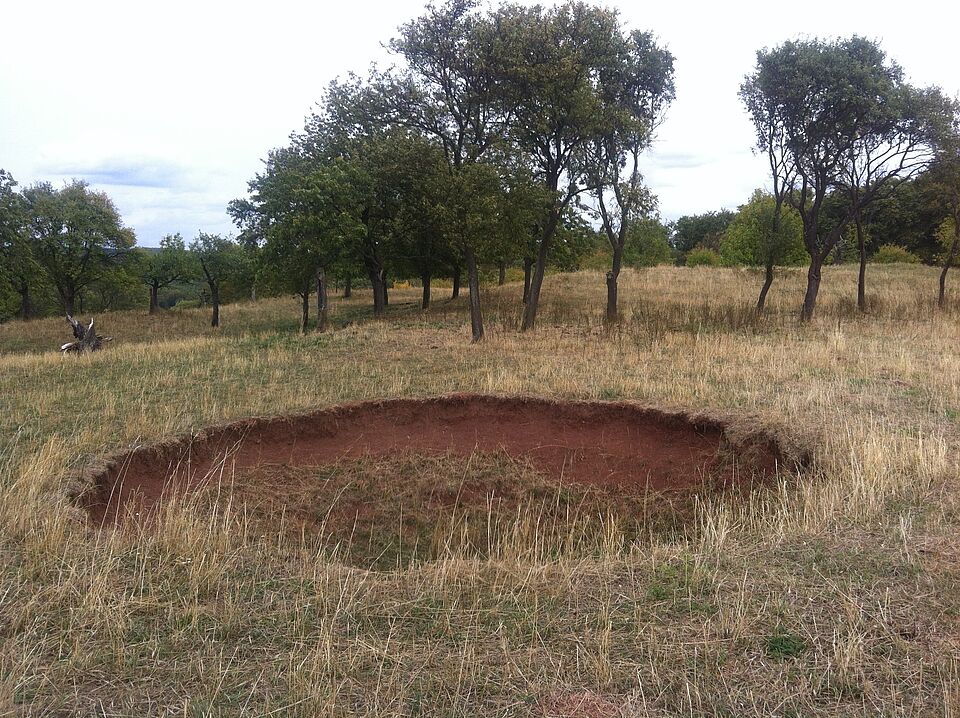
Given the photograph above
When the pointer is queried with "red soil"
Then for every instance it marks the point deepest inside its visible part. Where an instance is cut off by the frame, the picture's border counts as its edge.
(609, 445)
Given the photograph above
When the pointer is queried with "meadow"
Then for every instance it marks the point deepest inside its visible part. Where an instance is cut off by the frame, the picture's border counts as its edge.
(834, 592)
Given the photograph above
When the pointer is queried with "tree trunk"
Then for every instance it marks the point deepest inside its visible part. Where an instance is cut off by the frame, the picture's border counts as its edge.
(862, 277)
(322, 307)
(348, 287)
(253, 292)
(304, 309)
(533, 300)
(456, 282)
(473, 277)
(379, 287)
(527, 266)
(154, 300)
(951, 256)
(502, 278)
(215, 300)
(386, 289)
(25, 309)
(612, 277)
(813, 288)
(425, 302)
(767, 281)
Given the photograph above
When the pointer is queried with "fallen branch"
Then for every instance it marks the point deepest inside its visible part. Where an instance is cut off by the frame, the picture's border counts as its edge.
(87, 339)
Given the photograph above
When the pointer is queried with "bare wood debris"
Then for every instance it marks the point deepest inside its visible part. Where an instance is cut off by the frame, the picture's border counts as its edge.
(87, 340)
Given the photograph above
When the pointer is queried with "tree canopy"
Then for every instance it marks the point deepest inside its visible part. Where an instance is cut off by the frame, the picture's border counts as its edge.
(76, 235)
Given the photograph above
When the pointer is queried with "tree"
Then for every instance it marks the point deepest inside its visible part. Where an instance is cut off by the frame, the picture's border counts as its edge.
(252, 235)
(810, 102)
(636, 89)
(899, 140)
(647, 243)
(76, 235)
(420, 219)
(766, 235)
(119, 289)
(949, 236)
(163, 268)
(447, 91)
(299, 205)
(219, 259)
(702, 257)
(907, 216)
(18, 267)
(943, 178)
(561, 69)
(703, 230)
(351, 145)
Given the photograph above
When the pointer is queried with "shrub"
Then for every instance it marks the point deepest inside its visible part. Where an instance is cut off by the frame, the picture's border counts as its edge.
(750, 240)
(702, 257)
(892, 254)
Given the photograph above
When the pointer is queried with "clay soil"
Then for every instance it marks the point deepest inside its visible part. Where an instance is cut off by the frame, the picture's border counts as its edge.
(295, 465)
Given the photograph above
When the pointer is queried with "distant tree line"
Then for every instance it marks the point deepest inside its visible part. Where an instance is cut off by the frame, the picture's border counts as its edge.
(67, 250)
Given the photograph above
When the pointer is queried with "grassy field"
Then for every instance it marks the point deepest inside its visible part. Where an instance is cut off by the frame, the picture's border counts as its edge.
(834, 594)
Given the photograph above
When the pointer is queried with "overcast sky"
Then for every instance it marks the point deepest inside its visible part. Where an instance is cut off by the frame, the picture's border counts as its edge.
(170, 107)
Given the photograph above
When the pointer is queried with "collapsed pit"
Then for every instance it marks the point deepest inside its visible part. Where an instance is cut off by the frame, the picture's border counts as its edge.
(351, 463)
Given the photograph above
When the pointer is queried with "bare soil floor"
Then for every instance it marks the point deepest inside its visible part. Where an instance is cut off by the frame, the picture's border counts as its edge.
(623, 452)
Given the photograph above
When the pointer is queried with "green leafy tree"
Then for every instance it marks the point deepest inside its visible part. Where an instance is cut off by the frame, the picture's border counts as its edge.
(120, 289)
(900, 139)
(764, 235)
(521, 208)
(447, 90)
(294, 206)
(907, 216)
(944, 179)
(572, 241)
(161, 269)
(703, 230)
(252, 225)
(219, 259)
(18, 269)
(647, 244)
(636, 88)
(420, 243)
(703, 257)
(892, 254)
(76, 235)
(566, 73)
(350, 146)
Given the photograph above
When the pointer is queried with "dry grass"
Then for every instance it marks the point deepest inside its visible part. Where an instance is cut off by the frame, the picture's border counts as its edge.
(834, 596)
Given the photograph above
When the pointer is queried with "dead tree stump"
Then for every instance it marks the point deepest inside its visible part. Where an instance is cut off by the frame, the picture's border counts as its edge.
(87, 339)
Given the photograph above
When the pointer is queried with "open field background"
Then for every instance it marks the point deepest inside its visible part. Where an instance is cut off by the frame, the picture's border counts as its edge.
(838, 595)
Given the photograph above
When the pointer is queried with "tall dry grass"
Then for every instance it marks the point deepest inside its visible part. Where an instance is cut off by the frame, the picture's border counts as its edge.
(833, 594)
